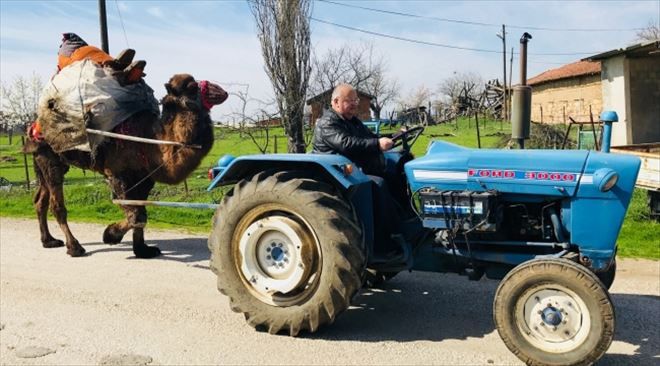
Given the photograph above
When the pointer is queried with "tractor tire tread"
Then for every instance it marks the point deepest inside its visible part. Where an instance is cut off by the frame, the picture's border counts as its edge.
(336, 237)
(569, 272)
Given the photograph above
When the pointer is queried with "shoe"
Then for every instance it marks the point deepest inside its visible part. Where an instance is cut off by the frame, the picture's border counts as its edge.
(135, 72)
(125, 57)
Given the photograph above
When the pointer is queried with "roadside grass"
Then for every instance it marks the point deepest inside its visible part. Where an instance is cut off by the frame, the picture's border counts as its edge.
(640, 235)
(88, 197)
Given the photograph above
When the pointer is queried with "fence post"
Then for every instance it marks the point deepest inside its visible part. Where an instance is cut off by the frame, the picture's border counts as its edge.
(27, 171)
(476, 119)
(275, 144)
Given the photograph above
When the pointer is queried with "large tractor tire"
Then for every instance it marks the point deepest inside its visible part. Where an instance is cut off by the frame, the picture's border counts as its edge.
(286, 251)
(554, 312)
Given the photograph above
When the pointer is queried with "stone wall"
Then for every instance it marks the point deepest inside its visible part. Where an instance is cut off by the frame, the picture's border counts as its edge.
(572, 97)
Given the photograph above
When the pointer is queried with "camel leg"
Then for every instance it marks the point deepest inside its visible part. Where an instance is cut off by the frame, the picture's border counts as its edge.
(138, 218)
(114, 233)
(135, 216)
(73, 247)
(49, 171)
(41, 199)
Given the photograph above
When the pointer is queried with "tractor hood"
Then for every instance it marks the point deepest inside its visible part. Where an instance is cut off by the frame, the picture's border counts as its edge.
(539, 172)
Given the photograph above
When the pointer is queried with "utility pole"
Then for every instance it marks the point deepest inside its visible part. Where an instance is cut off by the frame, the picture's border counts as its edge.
(503, 38)
(508, 118)
(104, 27)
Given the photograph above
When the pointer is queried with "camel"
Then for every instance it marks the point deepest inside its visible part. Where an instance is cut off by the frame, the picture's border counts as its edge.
(131, 168)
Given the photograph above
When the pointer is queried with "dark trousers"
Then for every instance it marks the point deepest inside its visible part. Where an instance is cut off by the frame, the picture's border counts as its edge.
(386, 215)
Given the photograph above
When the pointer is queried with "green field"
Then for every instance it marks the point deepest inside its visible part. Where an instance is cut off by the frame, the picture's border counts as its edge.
(88, 197)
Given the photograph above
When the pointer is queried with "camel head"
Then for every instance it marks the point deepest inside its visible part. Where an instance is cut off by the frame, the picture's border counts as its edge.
(183, 90)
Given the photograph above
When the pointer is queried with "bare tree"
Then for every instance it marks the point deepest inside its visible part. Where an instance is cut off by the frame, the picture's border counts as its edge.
(359, 66)
(255, 124)
(418, 97)
(383, 89)
(452, 87)
(19, 101)
(283, 29)
(329, 70)
(650, 33)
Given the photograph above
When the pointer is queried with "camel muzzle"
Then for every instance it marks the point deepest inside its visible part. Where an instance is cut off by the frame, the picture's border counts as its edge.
(212, 94)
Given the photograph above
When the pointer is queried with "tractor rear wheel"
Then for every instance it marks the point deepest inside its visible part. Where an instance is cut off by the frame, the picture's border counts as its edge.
(554, 312)
(286, 252)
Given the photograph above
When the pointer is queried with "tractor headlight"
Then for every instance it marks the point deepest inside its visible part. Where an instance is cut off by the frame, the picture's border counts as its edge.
(605, 179)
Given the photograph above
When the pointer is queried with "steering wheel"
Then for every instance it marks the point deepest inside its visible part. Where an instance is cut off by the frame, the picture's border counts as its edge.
(407, 138)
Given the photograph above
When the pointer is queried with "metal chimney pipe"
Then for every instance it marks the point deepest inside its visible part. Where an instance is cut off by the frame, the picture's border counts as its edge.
(523, 57)
(521, 102)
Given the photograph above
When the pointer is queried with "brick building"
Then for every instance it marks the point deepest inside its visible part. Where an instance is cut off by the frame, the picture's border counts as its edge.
(567, 91)
(321, 102)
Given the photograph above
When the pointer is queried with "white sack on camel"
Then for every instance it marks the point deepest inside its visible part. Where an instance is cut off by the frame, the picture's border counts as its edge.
(85, 95)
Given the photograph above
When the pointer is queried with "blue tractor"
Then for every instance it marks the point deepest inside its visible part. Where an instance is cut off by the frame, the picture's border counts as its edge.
(294, 239)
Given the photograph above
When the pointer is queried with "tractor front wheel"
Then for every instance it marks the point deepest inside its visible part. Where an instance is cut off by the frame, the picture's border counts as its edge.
(286, 252)
(554, 312)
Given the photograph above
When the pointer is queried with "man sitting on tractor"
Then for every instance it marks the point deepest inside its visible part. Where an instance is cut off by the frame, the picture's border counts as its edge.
(339, 131)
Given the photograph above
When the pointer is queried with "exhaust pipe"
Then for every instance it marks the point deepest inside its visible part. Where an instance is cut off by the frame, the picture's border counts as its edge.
(608, 117)
(521, 102)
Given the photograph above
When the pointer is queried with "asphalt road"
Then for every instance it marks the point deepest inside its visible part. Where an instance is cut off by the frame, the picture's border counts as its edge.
(111, 308)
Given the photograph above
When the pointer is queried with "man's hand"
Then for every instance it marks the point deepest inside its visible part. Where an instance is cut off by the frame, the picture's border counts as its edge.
(385, 143)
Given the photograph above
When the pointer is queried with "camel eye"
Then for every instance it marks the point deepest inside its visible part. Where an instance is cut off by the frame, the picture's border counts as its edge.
(192, 87)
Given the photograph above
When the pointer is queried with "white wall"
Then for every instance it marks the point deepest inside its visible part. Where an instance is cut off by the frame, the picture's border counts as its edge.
(616, 96)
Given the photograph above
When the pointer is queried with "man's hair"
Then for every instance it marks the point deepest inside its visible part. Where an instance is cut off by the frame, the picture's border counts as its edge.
(336, 93)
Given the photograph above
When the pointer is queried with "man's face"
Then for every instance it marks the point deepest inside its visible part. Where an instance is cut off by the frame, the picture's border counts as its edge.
(346, 104)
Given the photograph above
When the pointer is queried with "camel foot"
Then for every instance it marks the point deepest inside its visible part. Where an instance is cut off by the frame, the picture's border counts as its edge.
(113, 235)
(145, 251)
(75, 250)
(52, 243)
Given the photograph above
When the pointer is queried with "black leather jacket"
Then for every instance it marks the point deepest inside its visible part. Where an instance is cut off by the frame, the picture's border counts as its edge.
(335, 135)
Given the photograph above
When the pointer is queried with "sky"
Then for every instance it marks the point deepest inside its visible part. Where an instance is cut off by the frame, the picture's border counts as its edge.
(217, 41)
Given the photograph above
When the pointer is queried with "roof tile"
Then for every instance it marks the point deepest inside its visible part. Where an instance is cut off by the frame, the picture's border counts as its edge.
(578, 68)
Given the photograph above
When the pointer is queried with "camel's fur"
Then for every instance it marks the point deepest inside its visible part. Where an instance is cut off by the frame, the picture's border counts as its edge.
(126, 164)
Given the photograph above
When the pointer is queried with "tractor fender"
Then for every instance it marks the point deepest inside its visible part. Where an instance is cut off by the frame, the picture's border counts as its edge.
(328, 166)
(356, 186)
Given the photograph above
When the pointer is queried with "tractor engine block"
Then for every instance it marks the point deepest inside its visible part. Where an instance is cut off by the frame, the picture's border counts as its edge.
(464, 210)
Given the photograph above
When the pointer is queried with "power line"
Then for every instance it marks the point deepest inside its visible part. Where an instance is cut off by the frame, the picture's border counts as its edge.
(467, 22)
(441, 44)
(403, 38)
(122, 24)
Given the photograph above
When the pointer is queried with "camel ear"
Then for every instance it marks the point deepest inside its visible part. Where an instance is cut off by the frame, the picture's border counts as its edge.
(168, 87)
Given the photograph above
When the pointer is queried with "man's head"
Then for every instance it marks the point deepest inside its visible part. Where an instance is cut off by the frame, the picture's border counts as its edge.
(345, 101)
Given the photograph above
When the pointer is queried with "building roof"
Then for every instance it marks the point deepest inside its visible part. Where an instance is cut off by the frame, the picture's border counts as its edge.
(327, 93)
(574, 69)
(639, 48)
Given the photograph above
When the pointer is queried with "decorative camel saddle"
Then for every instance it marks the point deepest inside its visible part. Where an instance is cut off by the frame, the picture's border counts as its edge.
(84, 95)
(90, 90)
